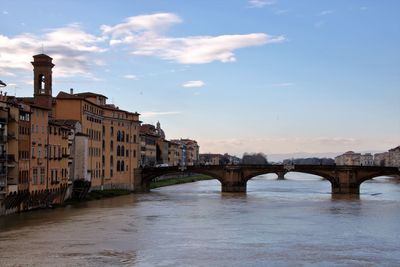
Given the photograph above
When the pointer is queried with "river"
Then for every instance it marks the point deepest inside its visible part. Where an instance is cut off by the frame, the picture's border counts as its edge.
(295, 222)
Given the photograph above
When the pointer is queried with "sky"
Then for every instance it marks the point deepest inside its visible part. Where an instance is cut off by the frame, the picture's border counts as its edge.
(271, 76)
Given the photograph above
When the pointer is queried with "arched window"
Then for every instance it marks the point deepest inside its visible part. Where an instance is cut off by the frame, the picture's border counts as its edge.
(111, 161)
(118, 151)
(122, 136)
(112, 145)
(122, 166)
(42, 82)
(118, 166)
(118, 136)
(122, 151)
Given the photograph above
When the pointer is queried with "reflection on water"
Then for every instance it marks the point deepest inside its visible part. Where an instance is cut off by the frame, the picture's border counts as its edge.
(295, 222)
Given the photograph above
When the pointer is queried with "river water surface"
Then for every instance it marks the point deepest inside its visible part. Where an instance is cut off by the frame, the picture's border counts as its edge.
(295, 222)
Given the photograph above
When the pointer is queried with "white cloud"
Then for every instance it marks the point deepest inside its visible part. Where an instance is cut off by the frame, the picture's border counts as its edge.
(325, 12)
(261, 3)
(5, 12)
(70, 47)
(282, 84)
(193, 84)
(143, 35)
(130, 77)
(151, 114)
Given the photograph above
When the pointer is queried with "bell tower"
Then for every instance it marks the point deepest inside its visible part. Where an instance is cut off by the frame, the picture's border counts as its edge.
(42, 80)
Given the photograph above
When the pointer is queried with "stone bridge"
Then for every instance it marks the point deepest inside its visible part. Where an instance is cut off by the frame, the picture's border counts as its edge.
(233, 178)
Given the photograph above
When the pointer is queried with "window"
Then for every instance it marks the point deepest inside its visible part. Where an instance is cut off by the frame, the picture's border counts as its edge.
(122, 166)
(118, 138)
(35, 176)
(118, 151)
(42, 82)
(42, 175)
(118, 166)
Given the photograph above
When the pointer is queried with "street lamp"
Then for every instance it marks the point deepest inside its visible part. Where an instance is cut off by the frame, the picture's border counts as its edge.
(2, 84)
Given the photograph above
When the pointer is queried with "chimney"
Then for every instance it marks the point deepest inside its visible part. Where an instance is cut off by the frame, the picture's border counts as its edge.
(71, 91)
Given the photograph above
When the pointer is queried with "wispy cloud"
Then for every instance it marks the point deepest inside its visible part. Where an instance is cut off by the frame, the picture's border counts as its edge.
(130, 77)
(144, 36)
(325, 12)
(261, 3)
(285, 84)
(193, 84)
(70, 46)
(152, 114)
(5, 12)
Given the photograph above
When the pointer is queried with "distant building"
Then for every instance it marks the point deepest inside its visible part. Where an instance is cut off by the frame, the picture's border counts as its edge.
(189, 155)
(367, 160)
(394, 157)
(390, 158)
(153, 146)
(174, 153)
(210, 159)
(349, 158)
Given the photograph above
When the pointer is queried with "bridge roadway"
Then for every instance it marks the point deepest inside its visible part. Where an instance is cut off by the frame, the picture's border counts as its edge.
(233, 178)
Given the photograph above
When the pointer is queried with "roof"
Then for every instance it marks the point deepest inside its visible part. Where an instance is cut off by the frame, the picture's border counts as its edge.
(89, 94)
(81, 96)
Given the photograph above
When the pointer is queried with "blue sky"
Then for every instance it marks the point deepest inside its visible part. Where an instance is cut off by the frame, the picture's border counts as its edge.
(257, 76)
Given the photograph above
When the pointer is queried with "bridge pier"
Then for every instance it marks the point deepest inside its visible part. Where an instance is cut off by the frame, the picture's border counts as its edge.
(347, 182)
(281, 175)
(233, 180)
(234, 187)
(140, 185)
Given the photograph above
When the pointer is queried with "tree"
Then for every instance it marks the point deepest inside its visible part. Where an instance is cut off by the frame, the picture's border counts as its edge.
(254, 158)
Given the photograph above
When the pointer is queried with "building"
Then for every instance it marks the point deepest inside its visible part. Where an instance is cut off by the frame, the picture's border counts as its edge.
(381, 159)
(210, 159)
(174, 153)
(348, 158)
(189, 152)
(154, 148)
(47, 142)
(367, 160)
(113, 142)
(394, 157)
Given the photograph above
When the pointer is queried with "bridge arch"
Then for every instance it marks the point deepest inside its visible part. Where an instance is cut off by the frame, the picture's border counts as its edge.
(324, 175)
(148, 174)
(154, 176)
